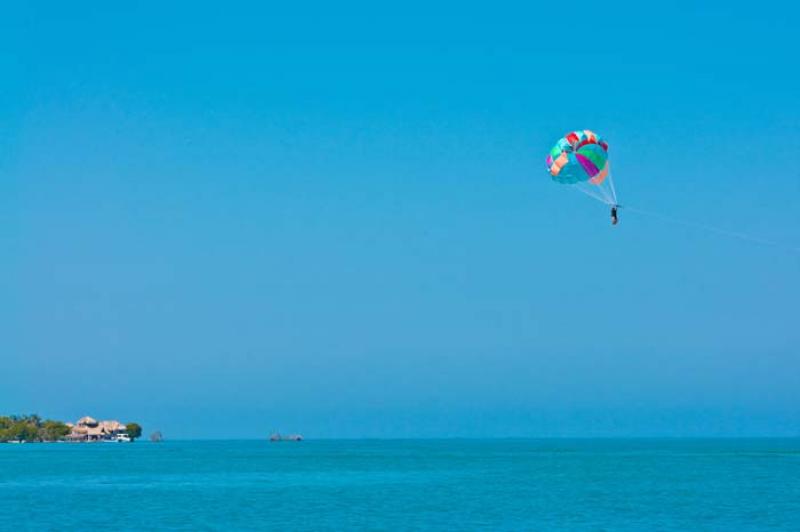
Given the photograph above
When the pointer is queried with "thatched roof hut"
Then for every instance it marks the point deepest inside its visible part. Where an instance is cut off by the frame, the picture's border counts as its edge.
(89, 429)
(111, 426)
(87, 421)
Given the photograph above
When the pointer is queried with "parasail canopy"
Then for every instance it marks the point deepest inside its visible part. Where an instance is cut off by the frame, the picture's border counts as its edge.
(580, 159)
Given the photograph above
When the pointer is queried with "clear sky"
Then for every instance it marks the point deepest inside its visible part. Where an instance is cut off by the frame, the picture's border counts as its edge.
(221, 219)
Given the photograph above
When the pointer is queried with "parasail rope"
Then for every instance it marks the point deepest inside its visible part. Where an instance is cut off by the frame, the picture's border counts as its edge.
(611, 185)
(606, 195)
(712, 229)
(598, 197)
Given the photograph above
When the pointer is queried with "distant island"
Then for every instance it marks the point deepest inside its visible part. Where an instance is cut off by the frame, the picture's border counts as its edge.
(34, 429)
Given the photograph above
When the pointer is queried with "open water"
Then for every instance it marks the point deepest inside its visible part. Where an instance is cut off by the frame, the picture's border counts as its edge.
(557, 484)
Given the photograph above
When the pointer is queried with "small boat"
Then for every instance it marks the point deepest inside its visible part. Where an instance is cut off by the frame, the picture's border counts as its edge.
(291, 437)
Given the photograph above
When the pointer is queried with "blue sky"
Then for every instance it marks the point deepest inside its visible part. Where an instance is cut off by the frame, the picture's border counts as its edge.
(225, 219)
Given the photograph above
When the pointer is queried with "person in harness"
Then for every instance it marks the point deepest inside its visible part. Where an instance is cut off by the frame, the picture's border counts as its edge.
(614, 217)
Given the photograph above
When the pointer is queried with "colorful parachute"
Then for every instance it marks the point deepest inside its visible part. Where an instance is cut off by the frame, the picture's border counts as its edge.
(581, 159)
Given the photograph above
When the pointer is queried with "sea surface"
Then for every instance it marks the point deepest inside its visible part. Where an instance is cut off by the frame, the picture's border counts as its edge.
(550, 484)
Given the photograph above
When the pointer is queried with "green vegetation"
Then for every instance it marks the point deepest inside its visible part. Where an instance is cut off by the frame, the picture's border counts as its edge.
(31, 429)
(133, 430)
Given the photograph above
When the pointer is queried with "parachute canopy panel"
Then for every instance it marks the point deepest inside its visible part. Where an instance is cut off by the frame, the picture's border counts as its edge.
(580, 158)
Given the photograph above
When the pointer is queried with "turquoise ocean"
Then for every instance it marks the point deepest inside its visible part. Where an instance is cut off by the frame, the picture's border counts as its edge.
(558, 484)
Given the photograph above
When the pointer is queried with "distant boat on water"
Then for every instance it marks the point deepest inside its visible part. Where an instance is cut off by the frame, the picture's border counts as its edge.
(291, 437)
(119, 438)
